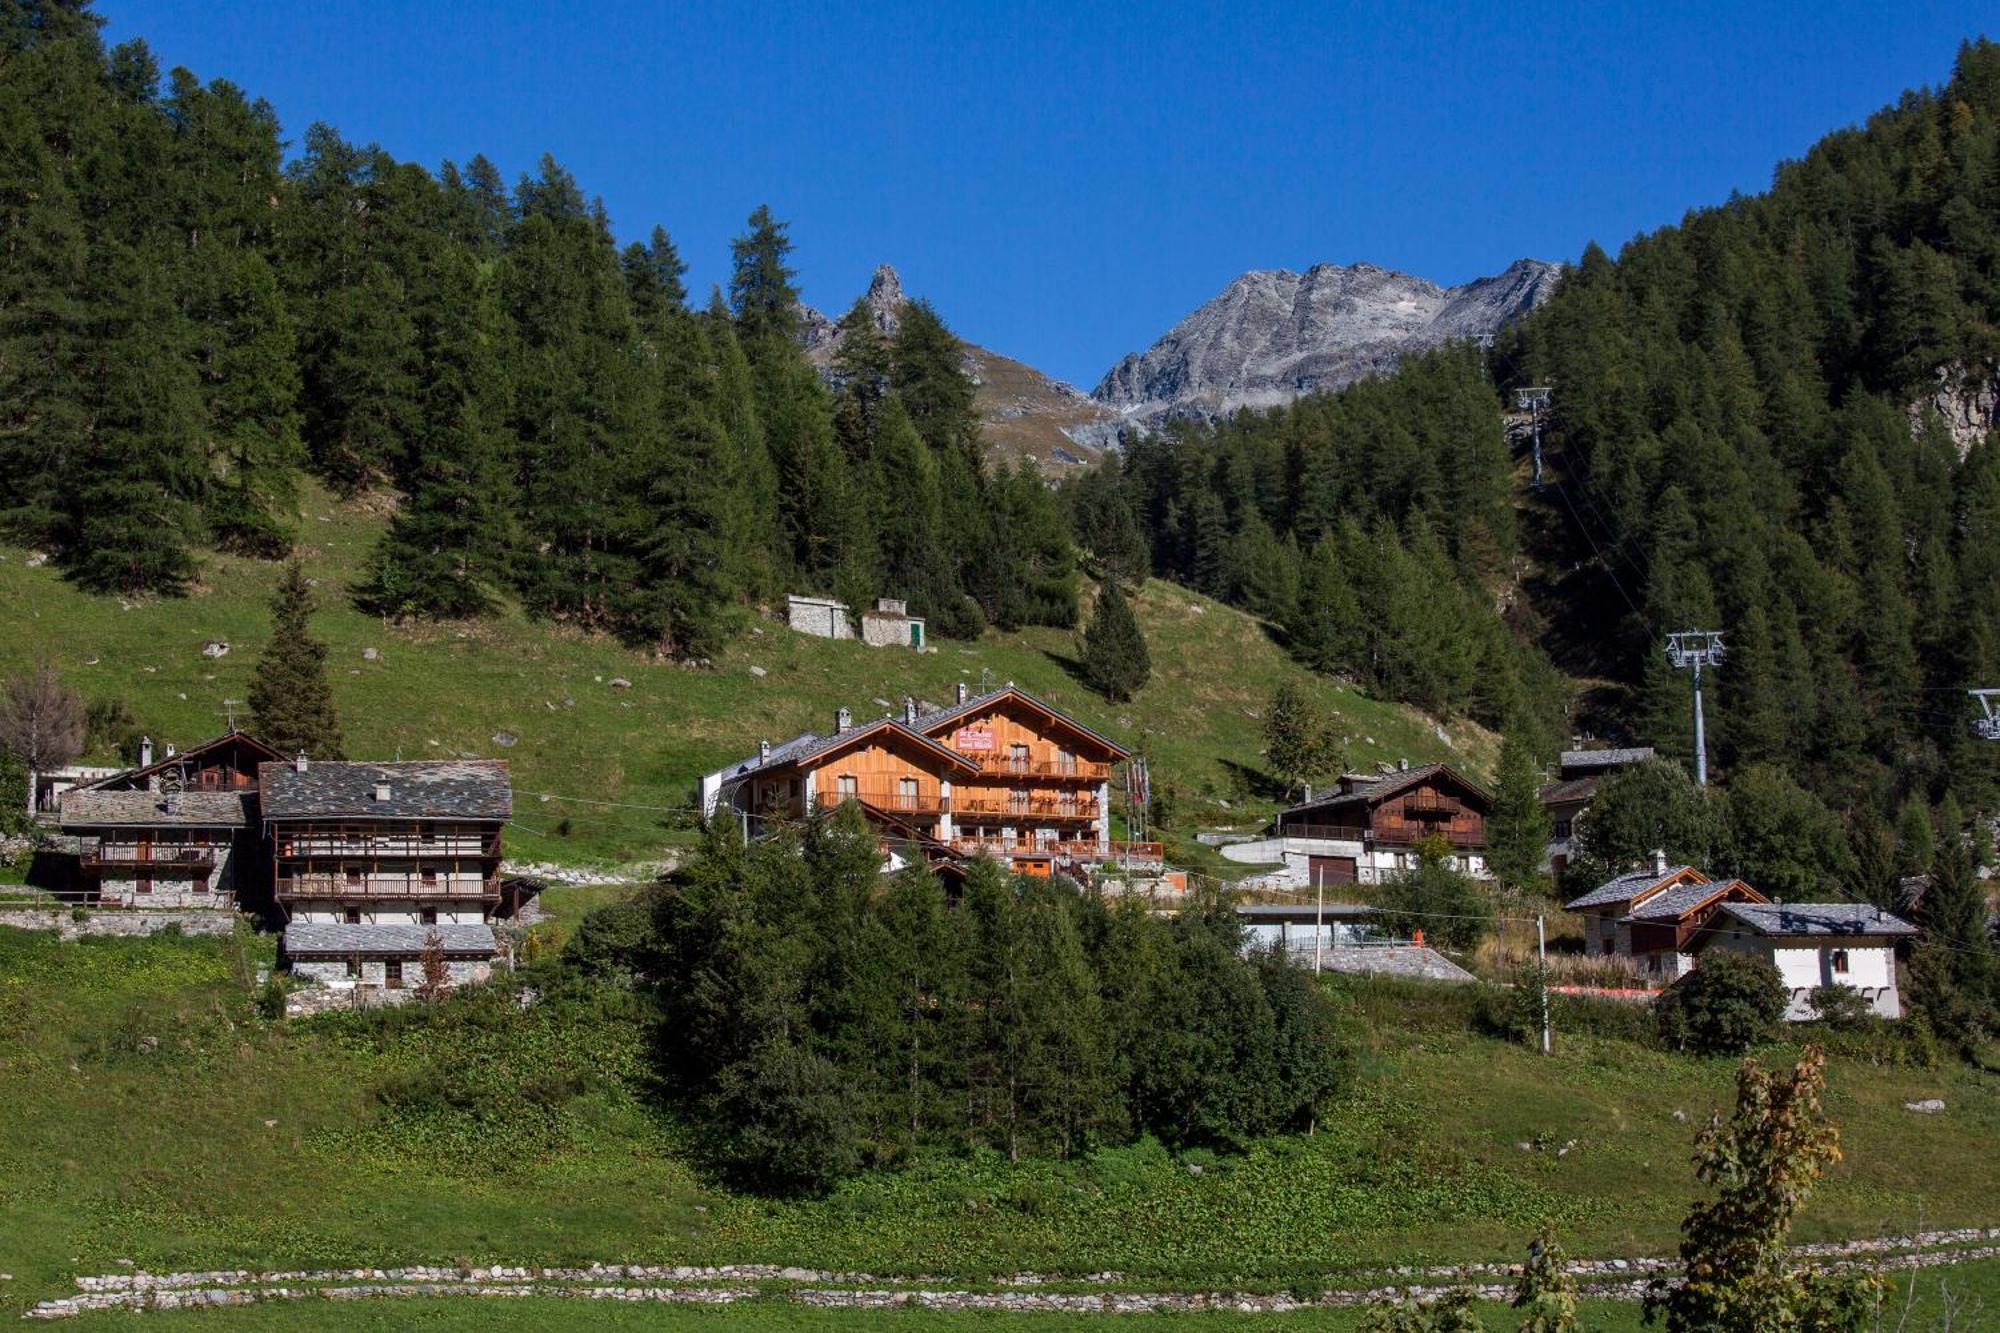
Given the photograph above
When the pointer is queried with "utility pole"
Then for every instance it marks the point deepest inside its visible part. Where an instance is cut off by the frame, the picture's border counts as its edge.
(1693, 649)
(1319, 923)
(1987, 725)
(1542, 958)
(1534, 401)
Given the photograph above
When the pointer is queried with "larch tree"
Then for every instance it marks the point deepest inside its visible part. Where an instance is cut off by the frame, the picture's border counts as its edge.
(291, 697)
(42, 722)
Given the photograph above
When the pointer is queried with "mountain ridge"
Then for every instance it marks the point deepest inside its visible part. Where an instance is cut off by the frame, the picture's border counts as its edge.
(1273, 335)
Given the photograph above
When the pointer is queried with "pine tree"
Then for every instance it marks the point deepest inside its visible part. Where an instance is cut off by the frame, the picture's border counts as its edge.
(1518, 830)
(291, 698)
(1115, 662)
(761, 292)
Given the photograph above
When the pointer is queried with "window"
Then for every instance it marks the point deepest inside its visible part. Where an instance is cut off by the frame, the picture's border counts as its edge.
(906, 792)
(430, 877)
(1065, 762)
(354, 967)
(849, 786)
(1017, 757)
(354, 877)
(430, 916)
(1840, 961)
(1563, 829)
(1610, 945)
(1017, 801)
(392, 974)
(353, 915)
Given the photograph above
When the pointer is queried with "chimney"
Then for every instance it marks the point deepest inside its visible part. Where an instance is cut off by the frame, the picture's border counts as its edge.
(909, 711)
(381, 791)
(1659, 862)
(763, 749)
(299, 764)
(961, 691)
(145, 752)
(171, 751)
(843, 721)
(1308, 796)
(1402, 765)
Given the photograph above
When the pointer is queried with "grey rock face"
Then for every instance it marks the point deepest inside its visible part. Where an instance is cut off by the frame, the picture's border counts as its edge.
(1273, 334)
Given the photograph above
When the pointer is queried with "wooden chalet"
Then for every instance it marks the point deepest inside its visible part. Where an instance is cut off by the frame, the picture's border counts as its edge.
(1367, 827)
(1002, 773)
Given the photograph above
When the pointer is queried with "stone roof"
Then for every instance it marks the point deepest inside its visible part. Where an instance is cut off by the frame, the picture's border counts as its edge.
(1816, 919)
(308, 938)
(1675, 902)
(1306, 913)
(417, 789)
(811, 744)
(89, 808)
(1571, 789)
(1635, 754)
(1624, 888)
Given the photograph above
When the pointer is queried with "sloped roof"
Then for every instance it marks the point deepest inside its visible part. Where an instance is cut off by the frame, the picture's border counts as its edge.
(1676, 901)
(127, 776)
(930, 723)
(418, 789)
(89, 807)
(1634, 754)
(305, 938)
(1814, 919)
(1391, 784)
(1629, 886)
(1571, 789)
(811, 745)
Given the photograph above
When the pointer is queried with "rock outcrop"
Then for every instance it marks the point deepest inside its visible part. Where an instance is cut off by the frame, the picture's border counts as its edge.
(1273, 334)
(1024, 413)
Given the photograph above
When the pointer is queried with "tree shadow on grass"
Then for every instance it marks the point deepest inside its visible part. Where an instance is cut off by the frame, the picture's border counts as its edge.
(1071, 667)
(1255, 782)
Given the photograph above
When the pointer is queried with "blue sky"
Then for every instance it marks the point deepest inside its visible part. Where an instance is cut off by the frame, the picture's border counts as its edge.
(1065, 180)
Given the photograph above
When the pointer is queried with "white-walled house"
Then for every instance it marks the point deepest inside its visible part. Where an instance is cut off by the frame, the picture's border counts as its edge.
(1813, 945)
(1649, 917)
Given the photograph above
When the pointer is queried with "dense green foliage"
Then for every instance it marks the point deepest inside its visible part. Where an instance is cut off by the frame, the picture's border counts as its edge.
(1437, 900)
(1365, 526)
(186, 320)
(1746, 440)
(1732, 1001)
(818, 1018)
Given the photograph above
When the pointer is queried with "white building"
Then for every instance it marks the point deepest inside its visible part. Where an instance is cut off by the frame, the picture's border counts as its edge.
(821, 617)
(1813, 945)
(1649, 917)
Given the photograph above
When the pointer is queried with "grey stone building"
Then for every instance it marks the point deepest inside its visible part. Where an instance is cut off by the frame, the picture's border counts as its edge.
(372, 861)
(160, 849)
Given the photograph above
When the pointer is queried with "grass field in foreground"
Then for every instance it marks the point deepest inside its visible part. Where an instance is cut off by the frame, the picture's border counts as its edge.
(438, 690)
(233, 1141)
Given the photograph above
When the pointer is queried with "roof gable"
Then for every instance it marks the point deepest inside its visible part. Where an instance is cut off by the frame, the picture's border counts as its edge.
(254, 750)
(881, 729)
(1014, 696)
(1680, 901)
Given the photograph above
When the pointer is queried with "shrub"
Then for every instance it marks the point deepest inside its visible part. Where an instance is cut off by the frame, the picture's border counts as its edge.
(613, 940)
(1724, 1006)
(1447, 906)
(1841, 1008)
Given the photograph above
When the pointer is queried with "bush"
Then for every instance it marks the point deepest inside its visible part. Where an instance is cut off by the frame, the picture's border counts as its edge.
(1725, 1005)
(615, 940)
(1841, 1008)
(1447, 906)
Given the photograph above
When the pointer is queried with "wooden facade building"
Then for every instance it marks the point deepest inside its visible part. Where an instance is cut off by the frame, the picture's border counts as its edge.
(1365, 830)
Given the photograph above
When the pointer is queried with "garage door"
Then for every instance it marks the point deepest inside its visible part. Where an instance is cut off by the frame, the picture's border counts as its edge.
(1324, 870)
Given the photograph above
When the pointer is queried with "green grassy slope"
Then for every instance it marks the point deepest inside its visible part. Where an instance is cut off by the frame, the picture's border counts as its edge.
(234, 1141)
(436, 691)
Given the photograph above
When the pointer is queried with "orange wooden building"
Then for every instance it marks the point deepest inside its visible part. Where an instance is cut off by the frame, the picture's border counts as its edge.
(1001, 772)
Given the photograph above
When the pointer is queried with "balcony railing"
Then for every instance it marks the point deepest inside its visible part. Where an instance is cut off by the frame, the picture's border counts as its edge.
(1142, 853)
(156, 859)
(388, 846)
(895, 799)
(1459, 838)
(293, 887)
(1002, 805)
(1072, 769)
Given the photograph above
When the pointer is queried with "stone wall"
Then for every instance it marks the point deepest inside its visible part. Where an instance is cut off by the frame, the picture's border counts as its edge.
(75, 923)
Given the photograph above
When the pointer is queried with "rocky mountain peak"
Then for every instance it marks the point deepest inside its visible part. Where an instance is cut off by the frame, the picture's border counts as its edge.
(1272, 335)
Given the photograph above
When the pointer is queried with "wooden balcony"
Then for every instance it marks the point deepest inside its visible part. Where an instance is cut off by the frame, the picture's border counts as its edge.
(1074, 770)
(292, 888)
(157, 860)
(368, 845)
(1088, 849)
(1005, 805)
(922, 801)
(1460, 838)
